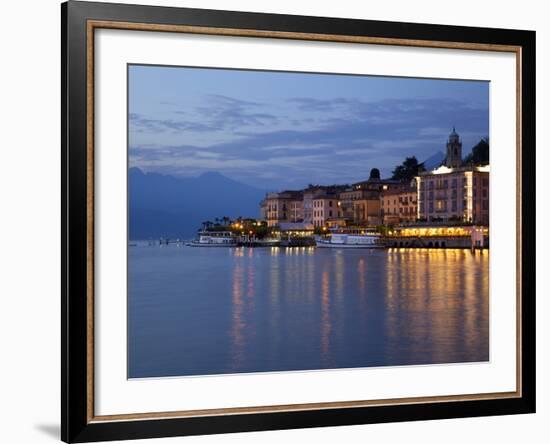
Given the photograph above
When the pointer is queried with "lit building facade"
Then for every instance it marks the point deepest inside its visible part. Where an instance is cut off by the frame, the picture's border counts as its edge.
(454, 192)
(281, 207)
(307, 202)
(346, 202)
(263, 209)
(296, 210)
(329, 206)
(366, 212)
(325, 207)
(360, 204)
(399, 205)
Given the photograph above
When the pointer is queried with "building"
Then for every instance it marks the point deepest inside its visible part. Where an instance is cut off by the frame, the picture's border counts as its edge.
(346, 199)
(366, 211)
(296, 210)
(439, 236)
(282, 207)
(399, 204)
(366, 204)
(325, 208)
(360, 204)
(378, 185)
(307, 202)
(454, 194)
(263, 209)
(454, 191)
(330, 206)
(453, 159)
(296, 228)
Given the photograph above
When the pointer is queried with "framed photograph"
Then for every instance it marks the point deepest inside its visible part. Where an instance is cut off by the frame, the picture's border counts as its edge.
(275, 221)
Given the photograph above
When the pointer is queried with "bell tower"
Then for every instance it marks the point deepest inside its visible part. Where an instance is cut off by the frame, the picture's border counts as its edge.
(454, 151)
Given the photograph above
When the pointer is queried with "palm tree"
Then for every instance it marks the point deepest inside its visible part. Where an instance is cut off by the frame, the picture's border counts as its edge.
(207, 224)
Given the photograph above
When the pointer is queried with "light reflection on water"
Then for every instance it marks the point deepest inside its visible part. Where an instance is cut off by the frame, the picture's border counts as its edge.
(228, 310)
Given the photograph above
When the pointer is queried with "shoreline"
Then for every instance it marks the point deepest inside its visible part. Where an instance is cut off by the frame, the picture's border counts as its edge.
(394, 244)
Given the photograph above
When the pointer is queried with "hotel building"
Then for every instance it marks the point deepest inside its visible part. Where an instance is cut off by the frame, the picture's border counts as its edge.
(325, 208)
(296, 210)
(454, 191)
(360, 204)
(399, 204)
(307, 202)
(280, 207)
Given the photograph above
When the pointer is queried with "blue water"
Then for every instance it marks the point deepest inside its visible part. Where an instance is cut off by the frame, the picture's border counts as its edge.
(199, 311)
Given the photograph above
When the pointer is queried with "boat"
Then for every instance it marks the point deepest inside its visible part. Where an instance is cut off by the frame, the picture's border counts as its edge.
(343, 240)
(298, 242)
(214, 239)
(253, 242)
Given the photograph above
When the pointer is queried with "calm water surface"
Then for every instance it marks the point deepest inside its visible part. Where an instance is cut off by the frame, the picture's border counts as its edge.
(198, 311)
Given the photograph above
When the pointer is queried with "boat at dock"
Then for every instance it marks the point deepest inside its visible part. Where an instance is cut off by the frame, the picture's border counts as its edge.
(214, 239)
(253, 242)
(298, 242)
(343, 240)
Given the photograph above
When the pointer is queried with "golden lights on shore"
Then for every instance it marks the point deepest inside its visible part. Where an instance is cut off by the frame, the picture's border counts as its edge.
(436, 231)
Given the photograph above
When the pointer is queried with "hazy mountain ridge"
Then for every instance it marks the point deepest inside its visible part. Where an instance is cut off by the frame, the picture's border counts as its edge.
(175, 207)
(434, 161)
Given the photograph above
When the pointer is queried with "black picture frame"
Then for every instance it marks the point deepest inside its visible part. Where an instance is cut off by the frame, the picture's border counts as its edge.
(76, 325)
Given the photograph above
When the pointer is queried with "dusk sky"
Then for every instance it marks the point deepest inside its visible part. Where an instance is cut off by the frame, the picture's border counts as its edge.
(276, 130)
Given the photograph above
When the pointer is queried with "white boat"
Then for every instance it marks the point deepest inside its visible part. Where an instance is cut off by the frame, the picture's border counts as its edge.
(342, 240)
(214, 239)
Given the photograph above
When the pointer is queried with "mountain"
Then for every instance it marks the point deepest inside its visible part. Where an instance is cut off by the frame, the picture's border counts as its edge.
(434, 161)
(175, 207)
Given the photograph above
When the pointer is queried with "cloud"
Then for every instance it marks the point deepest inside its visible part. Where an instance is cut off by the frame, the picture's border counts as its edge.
(226, 112)
(433, 131)
(215, 114)
(312, 104)
(307, 138)
(139, 123)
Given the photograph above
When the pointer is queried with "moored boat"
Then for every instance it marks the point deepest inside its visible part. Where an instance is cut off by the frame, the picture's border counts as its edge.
(214, 239)
(343, 240)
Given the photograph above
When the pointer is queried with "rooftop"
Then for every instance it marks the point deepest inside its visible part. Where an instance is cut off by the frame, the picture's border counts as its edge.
(446, 170)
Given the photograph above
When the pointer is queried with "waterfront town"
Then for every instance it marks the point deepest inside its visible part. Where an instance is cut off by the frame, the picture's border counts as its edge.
(446, 207)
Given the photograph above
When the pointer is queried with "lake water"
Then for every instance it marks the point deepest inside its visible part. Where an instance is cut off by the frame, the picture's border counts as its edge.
(199, 311)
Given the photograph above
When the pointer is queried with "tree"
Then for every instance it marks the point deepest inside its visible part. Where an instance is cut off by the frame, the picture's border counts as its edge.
(207, 224)
(479, 154)
(408, 170)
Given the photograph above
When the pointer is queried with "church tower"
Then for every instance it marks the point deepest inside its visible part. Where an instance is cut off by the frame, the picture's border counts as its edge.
(454, 151)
